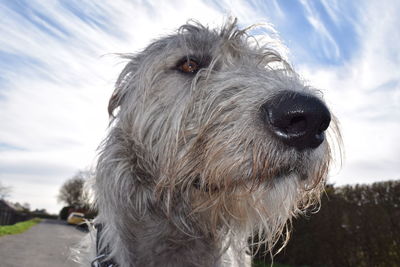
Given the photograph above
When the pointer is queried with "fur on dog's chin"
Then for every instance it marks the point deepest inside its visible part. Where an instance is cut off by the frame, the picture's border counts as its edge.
(249, 184)
(285, 175)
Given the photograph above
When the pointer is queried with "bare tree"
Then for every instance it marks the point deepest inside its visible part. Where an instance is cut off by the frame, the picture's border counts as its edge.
(73, 192)
(5, 191)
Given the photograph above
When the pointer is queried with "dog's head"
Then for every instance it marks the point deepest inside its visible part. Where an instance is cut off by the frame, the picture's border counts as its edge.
(215, 126)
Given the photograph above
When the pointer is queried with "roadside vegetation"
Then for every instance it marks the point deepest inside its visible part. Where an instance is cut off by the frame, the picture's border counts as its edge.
(18, 227)
(357, 225)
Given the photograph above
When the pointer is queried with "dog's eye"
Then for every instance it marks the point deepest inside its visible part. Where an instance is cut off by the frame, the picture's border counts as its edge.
(189, 66)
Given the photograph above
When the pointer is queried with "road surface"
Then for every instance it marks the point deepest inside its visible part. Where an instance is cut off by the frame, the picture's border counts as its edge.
(44, 245)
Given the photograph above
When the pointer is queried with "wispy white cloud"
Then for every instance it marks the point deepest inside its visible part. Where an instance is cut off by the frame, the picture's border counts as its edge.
(328, 44)
(333, 10)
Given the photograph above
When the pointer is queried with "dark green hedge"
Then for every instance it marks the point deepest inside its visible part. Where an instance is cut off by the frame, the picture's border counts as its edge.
(356, 226)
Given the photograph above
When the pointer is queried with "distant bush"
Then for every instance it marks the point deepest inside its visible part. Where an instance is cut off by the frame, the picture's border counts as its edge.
(356, 226)
(64, 212)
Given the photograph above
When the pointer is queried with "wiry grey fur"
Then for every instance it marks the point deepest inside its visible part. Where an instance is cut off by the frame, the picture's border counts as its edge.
(188, 172)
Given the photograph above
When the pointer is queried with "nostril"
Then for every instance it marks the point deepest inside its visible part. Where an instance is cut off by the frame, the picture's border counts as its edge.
(298, 124)
(287, 124)
(324, 125)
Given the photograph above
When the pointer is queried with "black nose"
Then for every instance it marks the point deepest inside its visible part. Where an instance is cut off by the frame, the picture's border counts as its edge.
(298, 120)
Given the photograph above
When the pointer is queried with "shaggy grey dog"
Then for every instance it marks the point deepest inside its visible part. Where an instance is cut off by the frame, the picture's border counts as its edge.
(214, 140)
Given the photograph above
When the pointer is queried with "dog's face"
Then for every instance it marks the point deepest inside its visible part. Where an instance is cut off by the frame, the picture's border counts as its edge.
(226, 128)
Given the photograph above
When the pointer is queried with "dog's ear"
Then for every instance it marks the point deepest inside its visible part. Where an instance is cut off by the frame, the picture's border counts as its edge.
(123, 85)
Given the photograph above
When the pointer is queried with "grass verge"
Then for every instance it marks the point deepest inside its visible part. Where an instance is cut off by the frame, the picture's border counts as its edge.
(18, 227)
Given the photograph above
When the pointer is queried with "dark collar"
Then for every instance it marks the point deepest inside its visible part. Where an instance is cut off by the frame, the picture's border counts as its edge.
(102, 255)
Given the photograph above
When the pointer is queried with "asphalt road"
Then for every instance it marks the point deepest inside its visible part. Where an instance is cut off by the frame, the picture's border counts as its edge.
(46, 244)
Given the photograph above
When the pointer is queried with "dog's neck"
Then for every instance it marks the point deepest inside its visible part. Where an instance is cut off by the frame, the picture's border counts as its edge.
(155, 241)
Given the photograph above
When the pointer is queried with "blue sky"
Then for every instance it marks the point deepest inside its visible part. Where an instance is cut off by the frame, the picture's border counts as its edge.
(57, 73)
